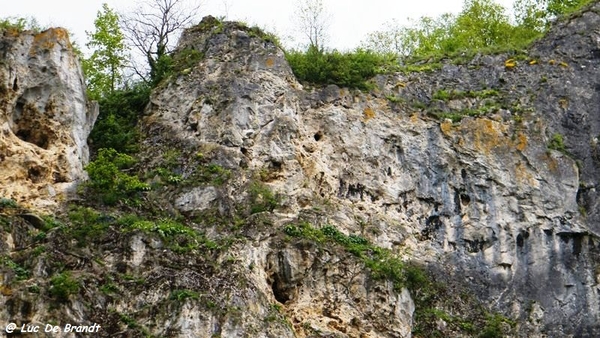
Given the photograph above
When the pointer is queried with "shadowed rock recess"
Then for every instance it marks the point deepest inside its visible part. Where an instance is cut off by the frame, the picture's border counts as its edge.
(461, 202)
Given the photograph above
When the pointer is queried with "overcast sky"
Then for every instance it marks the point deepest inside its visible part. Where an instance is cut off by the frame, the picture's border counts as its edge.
(350, 20)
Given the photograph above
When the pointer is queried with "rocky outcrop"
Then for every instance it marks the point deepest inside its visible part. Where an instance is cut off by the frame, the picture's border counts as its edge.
(44, 116)
(494, 201)
(304, 206)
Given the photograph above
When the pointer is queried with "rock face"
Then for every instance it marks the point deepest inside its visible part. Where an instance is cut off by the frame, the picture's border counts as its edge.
(495, 202)
(483, 174)
(44, 118)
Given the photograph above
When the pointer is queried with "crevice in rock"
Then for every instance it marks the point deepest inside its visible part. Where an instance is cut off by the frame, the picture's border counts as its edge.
(280, 293)
(432, 225)
(521, 238)
(577, 240)
(15, 85)
(318, 136)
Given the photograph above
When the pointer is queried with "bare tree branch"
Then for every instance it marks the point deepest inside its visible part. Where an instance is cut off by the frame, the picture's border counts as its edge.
(153, 27)
(313, 21)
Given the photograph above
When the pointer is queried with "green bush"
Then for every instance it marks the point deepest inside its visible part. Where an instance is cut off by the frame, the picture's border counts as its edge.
(8, 203)
(19, 24)
(116, 124)
(480, 25)
(109, 181)
(20, 272)
(62, 286)
(261, 198)
(351, 70)
(87, 224)
(181, 295)
(557, 143)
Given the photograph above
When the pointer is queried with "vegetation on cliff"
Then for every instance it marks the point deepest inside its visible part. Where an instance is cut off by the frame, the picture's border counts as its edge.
(125, 195)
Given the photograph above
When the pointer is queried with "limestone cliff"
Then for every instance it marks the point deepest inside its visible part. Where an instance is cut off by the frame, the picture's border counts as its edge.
(457, 202)
(44, 118)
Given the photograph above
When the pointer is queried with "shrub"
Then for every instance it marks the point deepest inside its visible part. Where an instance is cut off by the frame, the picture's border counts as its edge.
(261, 198)
(87, 224)
(108, 179)
(119, 113)
(557, 143)
(62, 286)
(20, 272)
(8, 203)
(351, 70)
(19, 24)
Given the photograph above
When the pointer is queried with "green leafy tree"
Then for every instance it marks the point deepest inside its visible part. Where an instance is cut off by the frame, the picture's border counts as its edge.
(104, 69)
(561, 7)
(480, 24)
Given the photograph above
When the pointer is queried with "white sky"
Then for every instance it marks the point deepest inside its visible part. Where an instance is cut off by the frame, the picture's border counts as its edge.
(351, 20)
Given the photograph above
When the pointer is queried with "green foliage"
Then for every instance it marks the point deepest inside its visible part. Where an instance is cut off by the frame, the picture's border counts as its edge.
(165, 228)
(482, 24)
(186, 59)
(182, 295)
(262, 198)
(20, 272)
(181, 62)
(103, 70)
(445, 95)
(557, 143)
(495, 326)
(264, 35)
(563, 7)
(19, 24)
(62, 286)
(214, 173)
(109, 288)
(8, 203)
(351, 70)
(86, 224)
(381, 263)
(109, 181)
(119, 113)
(162, 69)
(177, 236)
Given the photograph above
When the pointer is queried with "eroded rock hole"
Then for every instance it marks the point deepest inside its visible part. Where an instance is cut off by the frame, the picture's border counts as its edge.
(475, 245)
(281, 293)
(59, 178)
(524, 235)
(318, 136)
(465, 200)
(15, 85)
(432, 225)
(276, 165)
(35, 174)
(27, 126)
(281, 284)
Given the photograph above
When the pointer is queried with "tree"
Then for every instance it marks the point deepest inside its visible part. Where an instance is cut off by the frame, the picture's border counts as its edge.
(103, 70)
(312, 20)
(152, 30)
(480, 24)
(561, 7)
